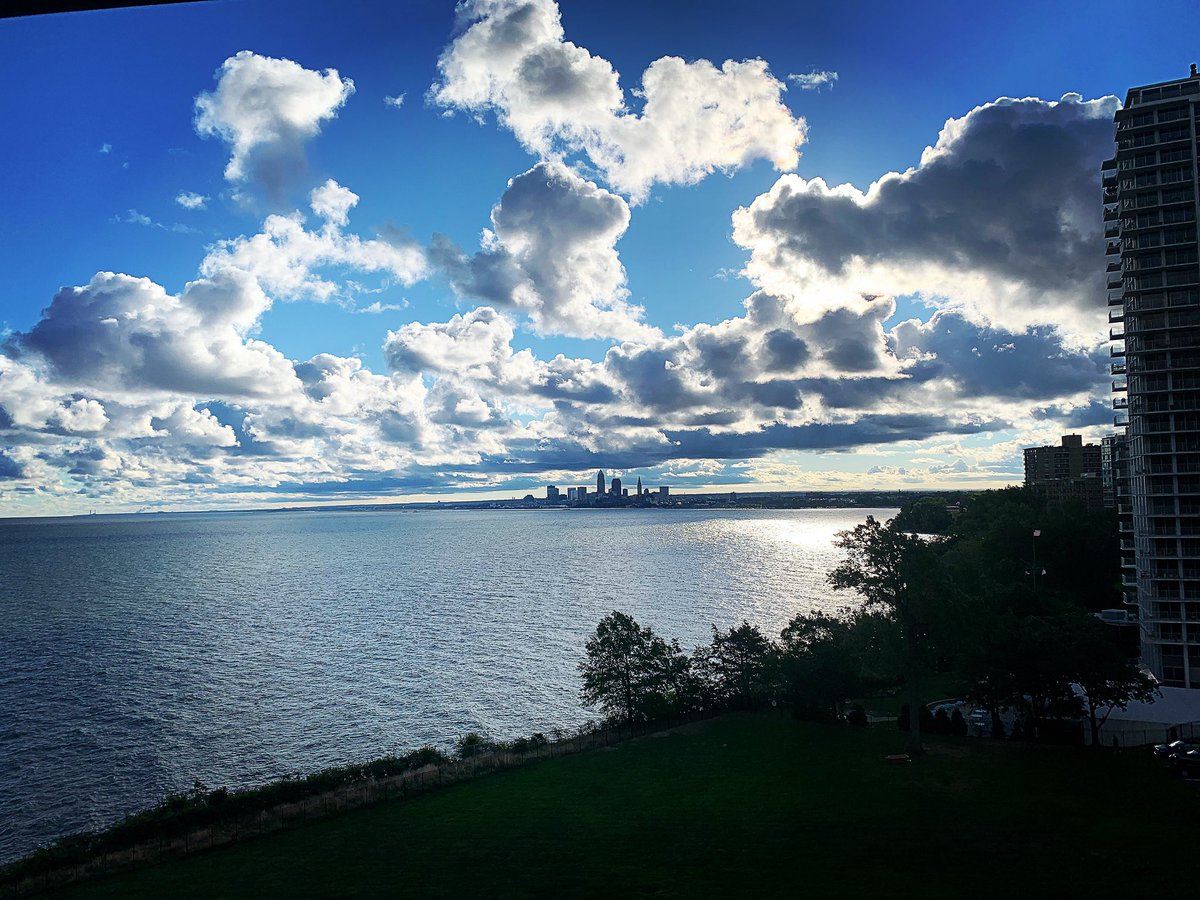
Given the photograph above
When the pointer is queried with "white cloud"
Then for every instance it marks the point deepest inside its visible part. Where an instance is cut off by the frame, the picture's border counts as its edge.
(133, 217)
(333, 203)
(394, 102)
(266, 109)
(284, 256)
(556, 96)
(106, 148)
(128, 336)
(191, 200)
(552, 253)
(375, 308)
(814, 81)
(999, 218)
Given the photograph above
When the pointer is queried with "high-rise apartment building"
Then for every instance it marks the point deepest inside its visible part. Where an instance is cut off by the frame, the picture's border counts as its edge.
(1150, 207)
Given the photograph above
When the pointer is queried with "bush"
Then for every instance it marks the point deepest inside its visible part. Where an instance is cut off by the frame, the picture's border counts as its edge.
(472, 744)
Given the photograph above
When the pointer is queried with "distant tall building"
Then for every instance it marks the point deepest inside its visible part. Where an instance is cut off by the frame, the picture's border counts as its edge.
(1070, 472)
(551, 494)
(616, 487)
(664, 493)
(1150, 189)
(600, 482)
(639, 486)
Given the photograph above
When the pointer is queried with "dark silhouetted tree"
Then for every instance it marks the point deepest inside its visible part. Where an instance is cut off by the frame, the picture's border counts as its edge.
(821, 664)
(741, 659)
(902, 575)
(625, 668)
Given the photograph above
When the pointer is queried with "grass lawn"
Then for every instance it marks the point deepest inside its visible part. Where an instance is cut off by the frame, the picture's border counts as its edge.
(752, 804)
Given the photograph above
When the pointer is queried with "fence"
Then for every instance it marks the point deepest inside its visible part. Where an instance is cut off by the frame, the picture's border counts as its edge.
(1141, 734)
(282, 816)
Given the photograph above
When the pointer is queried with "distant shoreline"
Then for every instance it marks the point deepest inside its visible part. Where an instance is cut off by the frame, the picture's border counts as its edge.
(707, 501)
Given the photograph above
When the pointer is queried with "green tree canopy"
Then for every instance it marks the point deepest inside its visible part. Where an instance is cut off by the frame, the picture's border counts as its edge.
(625, 668)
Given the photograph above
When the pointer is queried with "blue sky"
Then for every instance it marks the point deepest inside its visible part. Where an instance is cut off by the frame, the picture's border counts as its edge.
(619, 312)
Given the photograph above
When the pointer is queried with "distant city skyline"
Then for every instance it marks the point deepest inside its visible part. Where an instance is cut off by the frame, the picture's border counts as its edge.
(374, 253)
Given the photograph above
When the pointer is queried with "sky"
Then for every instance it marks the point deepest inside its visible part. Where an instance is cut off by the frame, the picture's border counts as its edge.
(379, 252)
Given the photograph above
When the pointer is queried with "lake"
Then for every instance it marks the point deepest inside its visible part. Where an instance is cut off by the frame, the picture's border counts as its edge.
(143, 652)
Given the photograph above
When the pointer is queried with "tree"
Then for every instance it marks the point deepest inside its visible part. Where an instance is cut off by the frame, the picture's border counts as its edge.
(928, 515)
(901, 574)
(623, 672)
(741, 659)
(1108, 678)
(820, 664)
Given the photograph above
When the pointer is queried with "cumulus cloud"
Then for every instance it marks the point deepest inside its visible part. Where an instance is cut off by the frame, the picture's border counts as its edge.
(394, 102)
(128, 335)
(1000, 216)
(284, 257)
(191, 200)
(552, 253)
(513, 58)
(814, 81)
(266, 109)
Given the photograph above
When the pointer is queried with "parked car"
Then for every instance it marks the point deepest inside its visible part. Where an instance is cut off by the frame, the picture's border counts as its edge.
(1186, 764)
(1166, 751)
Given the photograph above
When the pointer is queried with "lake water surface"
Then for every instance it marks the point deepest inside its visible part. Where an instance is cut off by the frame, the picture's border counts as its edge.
(142, 652)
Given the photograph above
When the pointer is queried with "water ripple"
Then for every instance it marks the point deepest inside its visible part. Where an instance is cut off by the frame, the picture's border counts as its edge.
(141, 653)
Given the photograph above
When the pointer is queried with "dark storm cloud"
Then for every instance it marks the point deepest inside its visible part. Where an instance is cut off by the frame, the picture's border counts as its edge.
(9, 467)
(1010, 190)
(990, 362)
(1002, 196)
(1095, 412)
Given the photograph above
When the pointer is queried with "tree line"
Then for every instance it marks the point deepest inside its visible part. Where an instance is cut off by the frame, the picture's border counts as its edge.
(999, 594)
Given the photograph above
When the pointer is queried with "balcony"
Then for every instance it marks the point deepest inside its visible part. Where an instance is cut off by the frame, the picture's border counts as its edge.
(1115, 335)
(1121, 403)
(1111, 215)
(1121, 421)
(1116, 299)
(1116, 351)
(1117, 368)
(1116, 315)
(1119, 386)
(1114, 284)
(1112, 247)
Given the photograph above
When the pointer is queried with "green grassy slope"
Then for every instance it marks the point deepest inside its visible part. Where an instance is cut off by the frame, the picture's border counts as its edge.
(745, 805)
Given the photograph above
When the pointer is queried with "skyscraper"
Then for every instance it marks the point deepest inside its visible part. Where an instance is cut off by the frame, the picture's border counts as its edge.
(1150, 190)
(615, 489)
(639, 486)
(600, 482)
